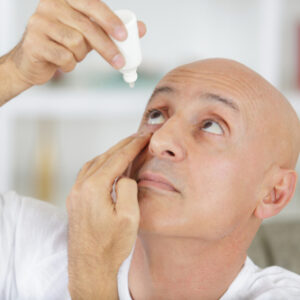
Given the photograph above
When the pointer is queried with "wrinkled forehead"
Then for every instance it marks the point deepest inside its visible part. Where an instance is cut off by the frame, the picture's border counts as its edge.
(240, 86)
(233, 83)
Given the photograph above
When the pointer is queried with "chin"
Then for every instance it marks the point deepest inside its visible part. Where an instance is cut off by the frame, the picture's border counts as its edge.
(160, 214)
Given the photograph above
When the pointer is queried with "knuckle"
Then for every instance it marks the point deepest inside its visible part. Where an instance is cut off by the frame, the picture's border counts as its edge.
(46, 6)
(34, 21)
(87, 165)
(68, 57)
(75, 40)
(29, 41)
(83, 22)
(65, 35)
(87, 186)
(78, 39)
(43, 6)
(64, 57)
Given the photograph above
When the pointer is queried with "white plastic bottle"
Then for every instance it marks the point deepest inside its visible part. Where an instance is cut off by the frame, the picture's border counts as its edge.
(130, 48)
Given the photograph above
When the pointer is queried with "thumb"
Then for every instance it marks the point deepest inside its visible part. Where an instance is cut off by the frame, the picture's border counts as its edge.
(127, 198)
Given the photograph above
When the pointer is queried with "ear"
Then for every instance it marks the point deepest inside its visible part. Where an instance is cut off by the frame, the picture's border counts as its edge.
(279, 196)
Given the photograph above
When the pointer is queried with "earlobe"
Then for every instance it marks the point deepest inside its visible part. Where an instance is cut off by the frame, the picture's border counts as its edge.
(279, 196)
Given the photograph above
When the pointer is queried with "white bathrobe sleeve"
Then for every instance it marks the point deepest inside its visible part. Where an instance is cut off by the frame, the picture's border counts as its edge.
(33, 249)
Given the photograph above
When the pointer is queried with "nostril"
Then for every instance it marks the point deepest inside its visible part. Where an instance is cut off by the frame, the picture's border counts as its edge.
(170, 153)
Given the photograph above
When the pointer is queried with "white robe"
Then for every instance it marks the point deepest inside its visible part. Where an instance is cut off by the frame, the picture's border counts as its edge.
(33, 259)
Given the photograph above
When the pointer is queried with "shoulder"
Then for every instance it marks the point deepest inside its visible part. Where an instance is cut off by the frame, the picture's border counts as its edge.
(34, 246)
(28, 219)
(14, 206)
(273, 282)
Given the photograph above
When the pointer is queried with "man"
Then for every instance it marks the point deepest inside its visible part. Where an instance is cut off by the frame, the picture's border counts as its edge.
(214, 155)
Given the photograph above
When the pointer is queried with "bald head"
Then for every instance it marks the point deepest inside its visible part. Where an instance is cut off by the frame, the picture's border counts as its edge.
(227, 142)
(270, 116)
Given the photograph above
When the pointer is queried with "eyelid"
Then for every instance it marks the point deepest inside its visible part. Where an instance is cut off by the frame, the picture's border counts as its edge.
(148, 111)
(211, 116)
(213, 121)
(220, 121)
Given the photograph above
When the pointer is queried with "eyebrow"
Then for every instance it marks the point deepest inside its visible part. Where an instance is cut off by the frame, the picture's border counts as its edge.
(210, 96)
(228, 102)
(161, 90)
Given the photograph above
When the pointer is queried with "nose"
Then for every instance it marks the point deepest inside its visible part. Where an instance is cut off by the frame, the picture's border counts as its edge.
(166, 143)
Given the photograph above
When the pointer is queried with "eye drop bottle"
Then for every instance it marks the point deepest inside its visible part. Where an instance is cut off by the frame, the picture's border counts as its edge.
(130, 48)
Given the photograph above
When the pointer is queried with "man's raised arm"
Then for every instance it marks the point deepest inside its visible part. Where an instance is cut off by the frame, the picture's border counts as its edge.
(10, 84)
(58, 36)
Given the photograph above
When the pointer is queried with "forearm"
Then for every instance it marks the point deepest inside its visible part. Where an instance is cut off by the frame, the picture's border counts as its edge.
(10, 82)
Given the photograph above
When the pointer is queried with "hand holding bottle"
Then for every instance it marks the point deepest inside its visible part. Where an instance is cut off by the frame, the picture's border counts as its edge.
(59, 35)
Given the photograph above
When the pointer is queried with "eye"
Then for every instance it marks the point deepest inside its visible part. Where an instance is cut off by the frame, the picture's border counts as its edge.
(212, 127)
(154, 116)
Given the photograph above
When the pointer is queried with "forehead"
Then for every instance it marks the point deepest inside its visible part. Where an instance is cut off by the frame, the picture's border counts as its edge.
(208, 97)
(192, 81)
(230, 87)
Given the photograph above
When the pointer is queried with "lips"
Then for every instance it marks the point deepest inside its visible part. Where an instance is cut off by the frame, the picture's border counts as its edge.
(148, 179)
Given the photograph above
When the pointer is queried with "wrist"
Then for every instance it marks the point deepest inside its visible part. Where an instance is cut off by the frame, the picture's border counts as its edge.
(11, 82)
(18, 84)
(90, 278)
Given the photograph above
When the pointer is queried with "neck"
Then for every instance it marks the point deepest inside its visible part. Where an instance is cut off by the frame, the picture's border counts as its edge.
(182, 268)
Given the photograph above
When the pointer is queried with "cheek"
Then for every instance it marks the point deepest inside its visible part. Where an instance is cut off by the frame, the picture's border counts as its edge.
(221, 197)
(223, 177)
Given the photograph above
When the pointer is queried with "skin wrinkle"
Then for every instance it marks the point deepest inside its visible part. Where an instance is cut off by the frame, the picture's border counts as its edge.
(204, 76)
(227, 101)
(214, 82)
(198, 238)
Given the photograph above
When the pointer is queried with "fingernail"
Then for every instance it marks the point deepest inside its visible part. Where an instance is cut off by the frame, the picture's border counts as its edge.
(118, 61)
(120, 33)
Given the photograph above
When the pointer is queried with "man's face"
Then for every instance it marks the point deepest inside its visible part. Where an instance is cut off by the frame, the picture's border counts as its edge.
(206, 145)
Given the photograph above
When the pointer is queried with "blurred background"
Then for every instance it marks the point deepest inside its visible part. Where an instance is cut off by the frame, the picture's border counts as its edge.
(50, 131)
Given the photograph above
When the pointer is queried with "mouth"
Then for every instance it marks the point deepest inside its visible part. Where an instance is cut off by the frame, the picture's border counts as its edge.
(156, 181)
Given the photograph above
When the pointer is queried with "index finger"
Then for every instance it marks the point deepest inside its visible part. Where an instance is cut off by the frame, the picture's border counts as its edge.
(102, 15)
(120, 160)
(97, 162)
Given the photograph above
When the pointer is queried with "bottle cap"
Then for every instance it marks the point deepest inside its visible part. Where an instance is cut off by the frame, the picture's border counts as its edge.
(130, 76)
(129, 48)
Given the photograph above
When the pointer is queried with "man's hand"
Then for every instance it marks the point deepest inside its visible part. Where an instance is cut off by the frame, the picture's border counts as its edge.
(102, 233)
(58, 36)
(62, 32)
